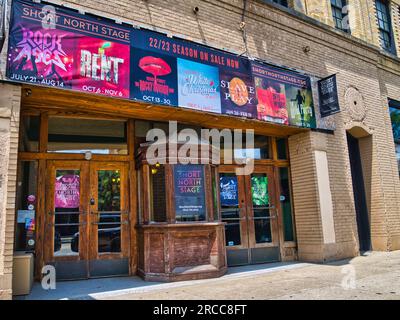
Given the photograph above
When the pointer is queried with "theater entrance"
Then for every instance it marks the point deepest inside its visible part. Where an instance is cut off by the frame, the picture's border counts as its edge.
(87, 219)
(248, 207)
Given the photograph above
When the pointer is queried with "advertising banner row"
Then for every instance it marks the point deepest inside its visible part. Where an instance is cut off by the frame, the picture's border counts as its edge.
(58, 47)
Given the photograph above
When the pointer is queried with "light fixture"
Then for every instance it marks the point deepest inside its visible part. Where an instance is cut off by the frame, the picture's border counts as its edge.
(88, 155)
(306, 49)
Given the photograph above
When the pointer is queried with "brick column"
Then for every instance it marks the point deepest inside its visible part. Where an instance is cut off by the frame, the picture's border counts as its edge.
(10, 99)
(319, 227)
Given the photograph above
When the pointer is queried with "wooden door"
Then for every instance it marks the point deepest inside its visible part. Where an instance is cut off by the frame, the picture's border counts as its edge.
(248, 207)
(109, 219)
(87, 219)
(66, 219)
(262, 215)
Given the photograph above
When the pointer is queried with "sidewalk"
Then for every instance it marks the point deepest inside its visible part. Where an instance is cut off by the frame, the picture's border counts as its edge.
(373, 276)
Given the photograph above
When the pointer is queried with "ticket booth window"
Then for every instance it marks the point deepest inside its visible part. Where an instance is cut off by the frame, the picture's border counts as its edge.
(157, 194)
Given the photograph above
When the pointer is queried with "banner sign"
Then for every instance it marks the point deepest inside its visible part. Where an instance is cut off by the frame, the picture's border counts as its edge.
(189, 191)
(328, 96)
(94, 55)
(229, 194)
(67, 192)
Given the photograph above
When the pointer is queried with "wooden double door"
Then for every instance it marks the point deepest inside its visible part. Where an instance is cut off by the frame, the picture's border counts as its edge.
(249, 208)
(87, 219)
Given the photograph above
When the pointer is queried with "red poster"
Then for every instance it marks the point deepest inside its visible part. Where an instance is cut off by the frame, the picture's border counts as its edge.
(103, 67)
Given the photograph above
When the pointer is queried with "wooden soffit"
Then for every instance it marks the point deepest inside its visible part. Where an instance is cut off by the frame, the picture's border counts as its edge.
(59, 101)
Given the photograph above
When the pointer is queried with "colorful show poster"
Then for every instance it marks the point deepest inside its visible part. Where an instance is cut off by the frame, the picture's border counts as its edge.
(67, 192)
(40, 56)
(283, 96)
(75, 52)
(300, 107)
(198, 86)
(238, 96)
(103, 67)
(259, 190)
(228, 188)
(271, 101)
(155, 78)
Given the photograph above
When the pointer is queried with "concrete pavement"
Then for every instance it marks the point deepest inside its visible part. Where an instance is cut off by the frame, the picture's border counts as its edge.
(372, 276)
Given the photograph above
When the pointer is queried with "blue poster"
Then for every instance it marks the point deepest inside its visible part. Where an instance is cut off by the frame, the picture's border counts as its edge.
(198, 86)
(229, 195)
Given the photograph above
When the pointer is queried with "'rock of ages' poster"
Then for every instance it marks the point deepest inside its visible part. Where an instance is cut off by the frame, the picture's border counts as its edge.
(71, 51)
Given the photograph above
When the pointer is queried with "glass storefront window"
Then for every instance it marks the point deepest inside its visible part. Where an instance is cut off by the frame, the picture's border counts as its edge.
(71, 135)
(281, 146)
(29, 134)
(158, 194)
(215, 193)
(26, 204)
(395, 117)
(189, 193)
(286, 204)
(261, 151)
(398, 155)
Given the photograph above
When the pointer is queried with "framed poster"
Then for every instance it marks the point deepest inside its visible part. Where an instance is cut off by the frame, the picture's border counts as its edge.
(67, 192)
(229, 194)
(189, 187)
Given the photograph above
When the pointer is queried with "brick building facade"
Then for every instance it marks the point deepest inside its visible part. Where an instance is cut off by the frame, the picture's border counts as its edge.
(301, 36)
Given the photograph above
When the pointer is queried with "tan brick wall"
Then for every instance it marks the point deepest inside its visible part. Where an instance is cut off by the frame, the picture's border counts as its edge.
(9, 125)
(279, 37)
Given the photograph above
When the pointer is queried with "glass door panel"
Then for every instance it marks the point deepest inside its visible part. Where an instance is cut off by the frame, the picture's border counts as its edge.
(230, 211)
(261, 208)
(109, 235)
(109, 211)
(67, 213)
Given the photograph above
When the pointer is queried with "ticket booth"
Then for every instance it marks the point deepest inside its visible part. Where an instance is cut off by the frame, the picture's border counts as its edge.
(180, 236)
